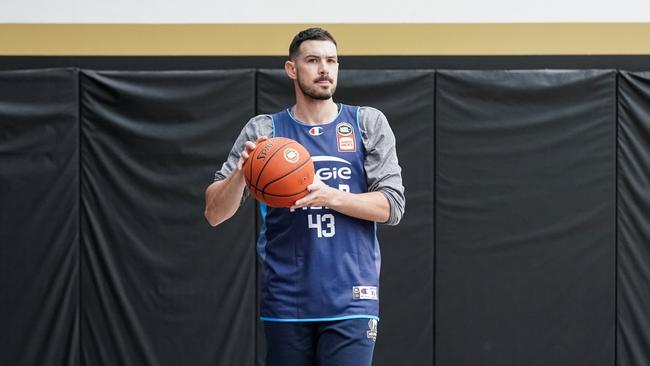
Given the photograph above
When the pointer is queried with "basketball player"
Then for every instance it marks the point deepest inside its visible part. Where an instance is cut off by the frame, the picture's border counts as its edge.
(320, 282)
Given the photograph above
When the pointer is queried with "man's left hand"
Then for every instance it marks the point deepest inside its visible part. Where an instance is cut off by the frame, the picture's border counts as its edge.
(320, 195)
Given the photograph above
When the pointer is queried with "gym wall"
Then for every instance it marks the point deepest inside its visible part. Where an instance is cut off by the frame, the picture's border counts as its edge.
(523, 241)
(524, 150)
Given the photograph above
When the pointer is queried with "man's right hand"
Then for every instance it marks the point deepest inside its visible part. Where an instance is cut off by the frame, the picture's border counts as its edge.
(222, 198)
(249, 146)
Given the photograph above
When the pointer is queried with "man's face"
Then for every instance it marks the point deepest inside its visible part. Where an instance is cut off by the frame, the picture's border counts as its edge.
(317, 69)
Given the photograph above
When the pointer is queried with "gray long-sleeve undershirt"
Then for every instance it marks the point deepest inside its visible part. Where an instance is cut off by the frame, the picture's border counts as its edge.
(383, 172)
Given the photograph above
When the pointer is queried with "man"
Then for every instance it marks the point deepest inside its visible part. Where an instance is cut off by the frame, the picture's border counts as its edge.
(321, 257)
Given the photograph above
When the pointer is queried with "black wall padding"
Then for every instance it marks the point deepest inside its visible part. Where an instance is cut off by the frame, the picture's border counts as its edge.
(525, 218)
(410, 62)
(406, 98)
(633, 338)
(39, 218)
(525, 240)
(159, 285)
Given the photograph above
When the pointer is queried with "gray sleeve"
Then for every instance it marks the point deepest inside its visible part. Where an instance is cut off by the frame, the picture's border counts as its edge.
(257, 126)
(382, 167)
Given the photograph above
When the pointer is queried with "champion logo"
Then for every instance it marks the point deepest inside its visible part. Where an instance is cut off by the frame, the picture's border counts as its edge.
(364, 293)
(316, 131)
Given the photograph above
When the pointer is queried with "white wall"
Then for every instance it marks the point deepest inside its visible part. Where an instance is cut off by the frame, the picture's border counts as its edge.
(332, 11)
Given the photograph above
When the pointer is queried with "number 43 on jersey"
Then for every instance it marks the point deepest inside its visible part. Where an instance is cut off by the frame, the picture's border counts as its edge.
(324, 224)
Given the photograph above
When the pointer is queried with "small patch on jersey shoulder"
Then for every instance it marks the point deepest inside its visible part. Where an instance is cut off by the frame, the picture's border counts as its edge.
(344, 128)
(364, 293)
(345, 138)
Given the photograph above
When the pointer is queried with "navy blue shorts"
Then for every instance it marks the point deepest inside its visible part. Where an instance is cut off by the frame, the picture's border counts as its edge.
(347, 342)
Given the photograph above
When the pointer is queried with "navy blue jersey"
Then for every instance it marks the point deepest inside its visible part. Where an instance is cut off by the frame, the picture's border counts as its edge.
(319, 264)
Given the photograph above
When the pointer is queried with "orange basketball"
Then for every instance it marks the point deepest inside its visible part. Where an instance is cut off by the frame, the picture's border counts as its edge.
(278, 172)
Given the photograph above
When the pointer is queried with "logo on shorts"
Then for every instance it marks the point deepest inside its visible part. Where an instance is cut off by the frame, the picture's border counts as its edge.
(364, 293)
(372, 329)
(291, 155)
(345, 137)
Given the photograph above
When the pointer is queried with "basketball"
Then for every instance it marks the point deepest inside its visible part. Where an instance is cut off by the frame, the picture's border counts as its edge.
(278, 172)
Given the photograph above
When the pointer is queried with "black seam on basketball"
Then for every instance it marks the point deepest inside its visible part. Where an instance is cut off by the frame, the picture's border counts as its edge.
(284, 195)
(278, 195)
(259, 175)
(288, 173)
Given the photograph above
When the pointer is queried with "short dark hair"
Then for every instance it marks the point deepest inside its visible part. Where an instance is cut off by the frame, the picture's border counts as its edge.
(309, 34)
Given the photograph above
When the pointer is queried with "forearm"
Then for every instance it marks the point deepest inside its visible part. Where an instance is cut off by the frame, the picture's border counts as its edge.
(383, 172)
(371, 206)
(222, 198)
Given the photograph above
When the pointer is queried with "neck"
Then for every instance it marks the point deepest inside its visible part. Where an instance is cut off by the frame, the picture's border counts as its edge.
(314, 111)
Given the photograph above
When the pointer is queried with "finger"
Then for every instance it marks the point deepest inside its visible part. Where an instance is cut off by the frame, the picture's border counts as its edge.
(305, 200)
(313, 187)
(249, 146)
(261, 138)
(244, 155)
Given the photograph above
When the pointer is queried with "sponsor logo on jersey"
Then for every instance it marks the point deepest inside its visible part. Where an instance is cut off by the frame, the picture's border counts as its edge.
(345, 137)
(372, 329)
(291, 155)
(364, 293)
(316, 131)
(330, 172)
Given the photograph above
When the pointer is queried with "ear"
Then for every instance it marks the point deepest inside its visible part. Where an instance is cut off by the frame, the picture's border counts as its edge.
(290, 69)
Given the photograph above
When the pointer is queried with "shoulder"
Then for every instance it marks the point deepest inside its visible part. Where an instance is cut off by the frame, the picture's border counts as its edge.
(260, 125)
(261, 119)
(370, 112)
(371, 119)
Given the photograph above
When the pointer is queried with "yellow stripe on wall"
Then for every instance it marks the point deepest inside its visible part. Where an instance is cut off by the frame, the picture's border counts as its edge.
(353, 39)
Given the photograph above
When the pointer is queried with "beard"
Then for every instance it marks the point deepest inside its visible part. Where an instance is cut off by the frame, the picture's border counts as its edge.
(314, 91)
